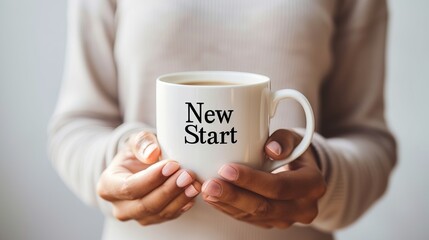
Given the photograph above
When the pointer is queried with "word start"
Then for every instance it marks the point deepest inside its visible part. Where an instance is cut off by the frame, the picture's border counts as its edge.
(197, 134)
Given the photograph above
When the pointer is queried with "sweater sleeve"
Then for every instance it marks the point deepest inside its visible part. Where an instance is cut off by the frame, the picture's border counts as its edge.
(86, 127)
(356, 150)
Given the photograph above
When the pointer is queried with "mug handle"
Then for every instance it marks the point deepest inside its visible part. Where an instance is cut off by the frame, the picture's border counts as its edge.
(306, 141)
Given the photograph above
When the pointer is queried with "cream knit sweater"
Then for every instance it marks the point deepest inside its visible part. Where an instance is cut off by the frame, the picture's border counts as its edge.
(330, 50)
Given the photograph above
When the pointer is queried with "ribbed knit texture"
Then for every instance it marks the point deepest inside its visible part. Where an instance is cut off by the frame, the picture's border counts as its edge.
(331, 51)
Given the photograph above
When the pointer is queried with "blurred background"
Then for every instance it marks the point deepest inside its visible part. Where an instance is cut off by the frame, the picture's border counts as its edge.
(35, 204)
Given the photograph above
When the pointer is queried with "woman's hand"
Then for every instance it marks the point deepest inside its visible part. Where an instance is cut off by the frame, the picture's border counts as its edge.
(270, 199)
(143, 189)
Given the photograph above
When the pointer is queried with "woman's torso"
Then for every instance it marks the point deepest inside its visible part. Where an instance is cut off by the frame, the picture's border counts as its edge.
(287, 40)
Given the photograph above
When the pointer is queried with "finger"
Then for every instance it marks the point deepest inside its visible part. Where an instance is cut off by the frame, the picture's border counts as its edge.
(239, 198)
(229, 210)
(145, 147)
(145, 221)
(303, 211)
(152, 220)
(155, 201)
(181, 203)
(126, 162)
(246, 206)
(281, 144)
(289, 211)
(116, 183)
(159, 198)
(237, 214)
(251, 205)
(299, 183)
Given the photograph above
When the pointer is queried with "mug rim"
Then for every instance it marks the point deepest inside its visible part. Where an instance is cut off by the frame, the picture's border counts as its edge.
(246, 78)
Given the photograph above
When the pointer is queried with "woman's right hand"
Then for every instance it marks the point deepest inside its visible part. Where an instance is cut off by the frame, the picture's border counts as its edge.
(143, 189)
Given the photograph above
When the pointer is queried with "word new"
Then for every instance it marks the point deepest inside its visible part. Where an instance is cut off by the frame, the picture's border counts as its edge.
(197, 134)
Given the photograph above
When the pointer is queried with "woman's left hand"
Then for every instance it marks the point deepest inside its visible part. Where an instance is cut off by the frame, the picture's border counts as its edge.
(266, 199)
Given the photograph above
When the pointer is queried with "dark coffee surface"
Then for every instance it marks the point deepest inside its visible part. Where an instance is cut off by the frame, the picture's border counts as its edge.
(207, 83)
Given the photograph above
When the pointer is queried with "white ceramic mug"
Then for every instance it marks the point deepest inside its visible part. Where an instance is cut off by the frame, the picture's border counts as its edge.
(205, 126)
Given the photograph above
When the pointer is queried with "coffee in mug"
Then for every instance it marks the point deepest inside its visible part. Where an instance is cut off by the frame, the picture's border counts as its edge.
(208, 82)
(209, 118)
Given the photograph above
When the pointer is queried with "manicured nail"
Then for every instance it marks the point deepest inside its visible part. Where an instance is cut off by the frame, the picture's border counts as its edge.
(228, 172)
(187, 207)
(184, 179)
(191, 192)
(170, 168)
(149, 150)
(274, 147)
(212, 188)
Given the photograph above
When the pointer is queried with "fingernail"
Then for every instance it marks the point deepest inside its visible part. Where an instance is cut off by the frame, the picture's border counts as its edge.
(212, 188)
(274, 147)
(184, 179)
(191, 192)
(228, 172)
(149, 150)
(187, 207)
(170, 168)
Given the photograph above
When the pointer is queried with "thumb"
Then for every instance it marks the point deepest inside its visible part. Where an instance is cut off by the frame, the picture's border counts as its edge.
(145, 147)
(281, 144)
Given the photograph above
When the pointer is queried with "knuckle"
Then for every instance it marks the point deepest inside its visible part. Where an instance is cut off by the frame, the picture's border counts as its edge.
(141, 141)
(241, 216)
(165, 191)
(262, 208)
(320, 189)
(277, 192)
(288, 134)
(312, 213)
(282, 225)
(243, 180)
(144, 222)
(126, 190)
(147, 135)
(280, 132)
(101, 190)
(144, 138)
(168, 215)
(148, 209)
(119, 215)
(306, 220)
(141, 209)
(229, 196)
(140, 136)
(317, 185)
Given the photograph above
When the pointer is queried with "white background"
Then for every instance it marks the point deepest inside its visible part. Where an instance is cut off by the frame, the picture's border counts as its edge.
(35, 204)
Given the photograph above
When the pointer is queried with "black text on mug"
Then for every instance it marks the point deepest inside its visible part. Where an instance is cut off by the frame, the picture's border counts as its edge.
(195, 133)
